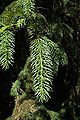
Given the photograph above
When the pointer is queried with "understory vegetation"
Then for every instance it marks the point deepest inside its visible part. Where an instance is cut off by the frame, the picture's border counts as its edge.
(39, 55)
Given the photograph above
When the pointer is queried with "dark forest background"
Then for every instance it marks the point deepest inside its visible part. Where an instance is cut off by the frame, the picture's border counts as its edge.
(70, 72)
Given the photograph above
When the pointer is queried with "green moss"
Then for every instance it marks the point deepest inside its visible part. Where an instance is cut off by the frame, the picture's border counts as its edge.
(16, 10)
(25, 76)
(23, 86)
(11, 14)
(26, 71)
(36, 24)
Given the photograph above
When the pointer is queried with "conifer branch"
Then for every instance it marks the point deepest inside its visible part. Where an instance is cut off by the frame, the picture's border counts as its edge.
(42, 68)
(6, 48)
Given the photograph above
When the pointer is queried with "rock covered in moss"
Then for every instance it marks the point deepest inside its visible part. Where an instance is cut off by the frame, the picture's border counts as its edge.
(29, 110)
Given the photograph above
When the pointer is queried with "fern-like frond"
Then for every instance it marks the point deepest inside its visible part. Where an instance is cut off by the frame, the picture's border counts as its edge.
(45, 58)
(15, 88)
(20, 23)
(65, 1)
(54, 115)
(42, 68)
(27, 6)
(6, 48)
(58, 55)
(54, 49)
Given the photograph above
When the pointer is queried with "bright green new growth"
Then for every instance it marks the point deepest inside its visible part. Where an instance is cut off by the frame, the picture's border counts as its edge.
(27, 6)
(14, 15)
(45, 55)
(15, 88)
(45, 58)
(42, 68)
(6, 48)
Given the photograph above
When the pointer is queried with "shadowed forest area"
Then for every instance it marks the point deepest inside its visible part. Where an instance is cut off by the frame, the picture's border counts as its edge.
(39, 60)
